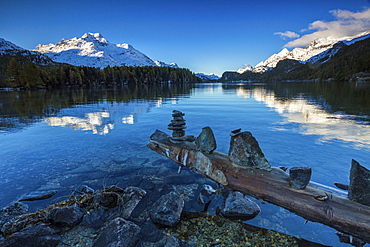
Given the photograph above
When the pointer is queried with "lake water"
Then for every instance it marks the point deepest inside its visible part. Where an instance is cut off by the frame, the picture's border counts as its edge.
(66, 138)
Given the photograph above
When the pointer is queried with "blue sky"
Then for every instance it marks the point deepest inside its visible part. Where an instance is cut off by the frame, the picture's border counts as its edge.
(204, 36)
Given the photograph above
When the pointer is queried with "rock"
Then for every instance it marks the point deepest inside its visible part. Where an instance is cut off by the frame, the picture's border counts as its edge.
(117, 233)
(93, 218)
(33, 236)
(359, 184)
(206, 142)
(38, 195)
(299, 177)
(245, 151)
(239, 207)
(65, 216)
(167, 210)
(106, 199)
(86, 189)
(207, 190)
(130, 199)
(10, 213)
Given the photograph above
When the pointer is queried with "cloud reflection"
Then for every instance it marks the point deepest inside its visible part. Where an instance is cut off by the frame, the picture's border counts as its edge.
(314, 120)
(97, 122)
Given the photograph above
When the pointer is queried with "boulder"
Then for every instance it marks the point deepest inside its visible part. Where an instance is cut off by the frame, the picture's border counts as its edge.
(86, 189)
(299, 177)
(359, 184)
(206, 142)
(245, 151)
(167, 210)
(65, 216)
(239, 207)
(33, 236)
(117, 233)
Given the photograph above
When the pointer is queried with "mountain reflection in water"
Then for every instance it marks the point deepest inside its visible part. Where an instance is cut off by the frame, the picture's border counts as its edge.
(312, 117)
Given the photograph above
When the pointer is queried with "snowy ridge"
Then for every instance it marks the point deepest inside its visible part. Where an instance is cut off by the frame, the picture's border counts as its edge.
(163, 64)
(93, 50)
(319, 48)
(208, 77)
(11, 49)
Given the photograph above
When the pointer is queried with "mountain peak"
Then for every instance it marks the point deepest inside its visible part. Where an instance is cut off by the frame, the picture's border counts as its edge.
(93, 50)
(94, 36)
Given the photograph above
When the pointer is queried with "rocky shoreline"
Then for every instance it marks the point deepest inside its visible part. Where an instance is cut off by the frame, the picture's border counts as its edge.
(114, 216)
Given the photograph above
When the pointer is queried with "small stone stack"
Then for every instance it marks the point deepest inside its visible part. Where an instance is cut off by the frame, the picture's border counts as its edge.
(177, 126)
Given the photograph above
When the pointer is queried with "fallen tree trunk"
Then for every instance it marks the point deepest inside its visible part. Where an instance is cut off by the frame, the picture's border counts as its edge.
(272, 186)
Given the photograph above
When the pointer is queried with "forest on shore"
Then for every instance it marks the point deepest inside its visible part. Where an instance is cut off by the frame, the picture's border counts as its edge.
(24, 74)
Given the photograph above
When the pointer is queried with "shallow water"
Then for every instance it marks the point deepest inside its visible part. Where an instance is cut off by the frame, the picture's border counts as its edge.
(66, 138)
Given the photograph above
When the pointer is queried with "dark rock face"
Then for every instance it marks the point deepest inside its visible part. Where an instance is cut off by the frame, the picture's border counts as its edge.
(33, 236)
(245, 151)
(38, 195)
(206, 142)
(117, 233)
(167, 210)
(359, 184)
(299, 177)
(130, 199)
(238, 207)
(65, 216)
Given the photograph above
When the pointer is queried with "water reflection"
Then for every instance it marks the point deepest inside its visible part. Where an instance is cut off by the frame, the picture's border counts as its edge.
(97, 122)
(22, 109)
(314, 114)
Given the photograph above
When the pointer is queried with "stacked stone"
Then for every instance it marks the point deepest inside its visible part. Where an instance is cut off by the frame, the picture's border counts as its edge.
(177, 125)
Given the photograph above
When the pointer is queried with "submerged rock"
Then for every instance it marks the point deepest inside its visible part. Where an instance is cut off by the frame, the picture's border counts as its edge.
(38, 195)
(239, 207)
(299, 177)
(359, 184)
(10, 213)
(167, 210)
(119, 232)
(206, 142)
(245, 151)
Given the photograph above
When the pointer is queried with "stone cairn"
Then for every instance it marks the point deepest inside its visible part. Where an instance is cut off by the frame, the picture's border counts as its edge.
(177, 126)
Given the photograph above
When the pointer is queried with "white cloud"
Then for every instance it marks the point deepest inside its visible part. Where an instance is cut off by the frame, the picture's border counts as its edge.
(288, 34)
(347, 23)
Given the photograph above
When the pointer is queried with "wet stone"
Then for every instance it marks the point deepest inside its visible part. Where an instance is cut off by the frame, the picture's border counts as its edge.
(119, 232)
(130, 199)
(299, 177)
(38, 195)
(206, 142)
(86, 189)
(245, 151)
(359, 187)
(167, 210)
(239, 207)
(65, 216)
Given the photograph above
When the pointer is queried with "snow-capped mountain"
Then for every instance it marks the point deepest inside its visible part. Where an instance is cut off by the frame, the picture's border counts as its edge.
(317, 49)
(93, 50)
(209, 77)
(163, 64)
(8, 48)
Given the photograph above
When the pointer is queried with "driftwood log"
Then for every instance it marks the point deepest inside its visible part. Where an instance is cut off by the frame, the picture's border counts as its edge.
(273, 186)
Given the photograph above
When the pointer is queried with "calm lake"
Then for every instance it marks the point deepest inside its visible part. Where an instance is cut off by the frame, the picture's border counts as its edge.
(63, 139)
